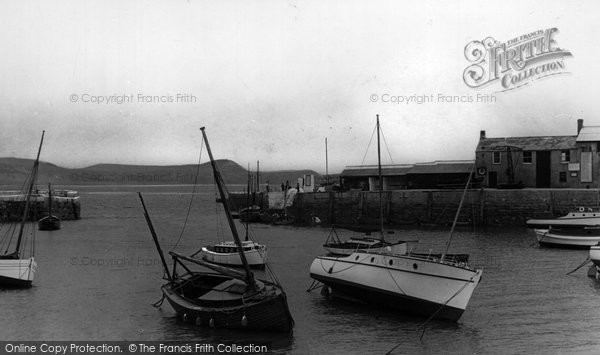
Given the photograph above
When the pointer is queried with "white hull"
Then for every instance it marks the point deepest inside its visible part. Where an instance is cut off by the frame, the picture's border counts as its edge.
(595, 255)
(412, 284)
(571, 220)
(17, 272)
(256, 257)
(546, 237)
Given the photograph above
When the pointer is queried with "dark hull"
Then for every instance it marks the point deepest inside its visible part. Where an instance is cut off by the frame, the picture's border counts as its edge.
(581, 231)
(562, 225)
(9, 282)
(384, 299)
(50, 223)
(563, 246)
(269, 313)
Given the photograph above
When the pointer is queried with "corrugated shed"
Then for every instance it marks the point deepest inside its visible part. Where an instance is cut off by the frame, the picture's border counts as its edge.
(437, 167)
(589, 134)
(528, 143)
(442, 168)
(373, 171)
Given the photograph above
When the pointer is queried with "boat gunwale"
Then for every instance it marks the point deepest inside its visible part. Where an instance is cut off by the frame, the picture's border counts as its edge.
(425, 259)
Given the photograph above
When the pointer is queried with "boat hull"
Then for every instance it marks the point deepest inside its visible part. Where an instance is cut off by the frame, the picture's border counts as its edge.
(256, 257)
(577, 219)
(49, 223)
(595, 255)
(548, 238)
(419, 286)
(268, 313)
(17, 272)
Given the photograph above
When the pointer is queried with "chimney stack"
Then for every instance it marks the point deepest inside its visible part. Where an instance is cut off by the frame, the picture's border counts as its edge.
(482, 134)
(579, 125)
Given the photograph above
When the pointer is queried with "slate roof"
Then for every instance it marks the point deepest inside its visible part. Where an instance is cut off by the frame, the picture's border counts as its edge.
(528, 143)
(589, 134)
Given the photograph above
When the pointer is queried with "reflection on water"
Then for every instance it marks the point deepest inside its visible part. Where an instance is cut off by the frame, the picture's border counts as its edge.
(98, 278)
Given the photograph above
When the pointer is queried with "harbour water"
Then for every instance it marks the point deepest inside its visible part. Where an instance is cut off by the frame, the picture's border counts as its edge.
(99, 276)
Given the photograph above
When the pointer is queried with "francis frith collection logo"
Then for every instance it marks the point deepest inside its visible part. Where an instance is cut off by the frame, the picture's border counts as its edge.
(516, 62)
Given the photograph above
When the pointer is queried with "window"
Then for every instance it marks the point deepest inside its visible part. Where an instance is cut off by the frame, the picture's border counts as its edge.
(565, 156)
(496, 158)
(562, 176)
(527, 157)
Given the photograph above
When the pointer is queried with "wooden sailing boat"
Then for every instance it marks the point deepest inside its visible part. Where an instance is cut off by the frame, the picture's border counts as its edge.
(50, 222)
(334, 245)
(15, 269)
(223, 297)
(435, 286)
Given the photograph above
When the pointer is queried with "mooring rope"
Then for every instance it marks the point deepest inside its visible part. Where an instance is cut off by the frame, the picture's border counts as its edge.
(424, 325)
(159, 303)
(580, 266)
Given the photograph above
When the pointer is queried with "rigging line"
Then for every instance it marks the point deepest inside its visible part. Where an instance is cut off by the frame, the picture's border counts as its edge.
(357, 263)
(386, 145)
(368, 146)
(191, 198)
(393, 279)
(272, 274)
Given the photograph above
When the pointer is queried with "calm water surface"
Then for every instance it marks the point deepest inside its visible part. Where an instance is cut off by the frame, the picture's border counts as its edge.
(98, 277)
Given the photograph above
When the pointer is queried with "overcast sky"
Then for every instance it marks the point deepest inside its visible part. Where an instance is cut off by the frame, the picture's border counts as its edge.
(272, 79)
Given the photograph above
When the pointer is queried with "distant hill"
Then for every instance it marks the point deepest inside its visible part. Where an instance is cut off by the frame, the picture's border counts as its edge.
(13, 171)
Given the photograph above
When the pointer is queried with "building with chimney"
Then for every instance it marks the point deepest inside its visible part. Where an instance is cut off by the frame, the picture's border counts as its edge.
(541, 162)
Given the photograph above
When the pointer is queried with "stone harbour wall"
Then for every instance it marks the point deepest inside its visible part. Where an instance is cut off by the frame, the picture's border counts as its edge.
(481, 206)
(63, 208)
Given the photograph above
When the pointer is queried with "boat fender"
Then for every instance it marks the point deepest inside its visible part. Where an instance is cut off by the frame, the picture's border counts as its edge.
(244, 321)
(581, 209)
(198, 321)
(185, 317)
(211, 323)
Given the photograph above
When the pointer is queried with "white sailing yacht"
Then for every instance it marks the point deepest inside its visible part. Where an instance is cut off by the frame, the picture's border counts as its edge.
(16, 270)
(437, 286)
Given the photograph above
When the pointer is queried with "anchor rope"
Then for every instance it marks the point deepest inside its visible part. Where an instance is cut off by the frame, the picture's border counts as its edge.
(435, 313)
(444, 305)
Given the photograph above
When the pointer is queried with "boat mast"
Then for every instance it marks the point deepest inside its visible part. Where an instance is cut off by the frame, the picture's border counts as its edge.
(380, 180)
(29, 191)
(458, 212)
(49, 201)
(234, 232)
(326, 165)
(248, 202)
(257, 176)
(155, 238)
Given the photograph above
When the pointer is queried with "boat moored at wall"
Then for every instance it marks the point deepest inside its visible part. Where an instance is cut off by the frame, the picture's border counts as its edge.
(578, 218)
